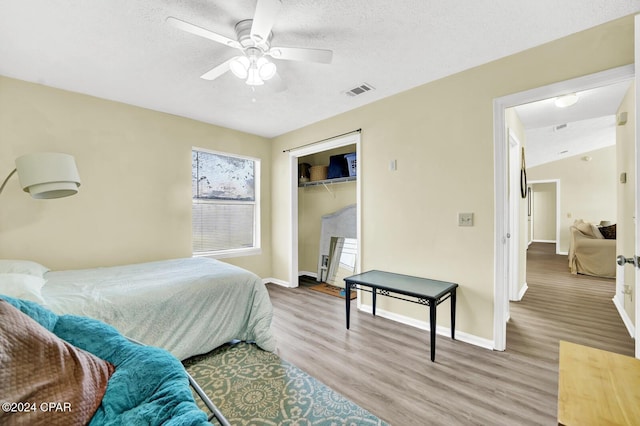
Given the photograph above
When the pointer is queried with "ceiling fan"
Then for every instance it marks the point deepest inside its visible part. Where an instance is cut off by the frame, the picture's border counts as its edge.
(254, 41)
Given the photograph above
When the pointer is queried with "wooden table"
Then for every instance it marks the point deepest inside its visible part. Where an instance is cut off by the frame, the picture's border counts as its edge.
(427, 291)
(597, 387)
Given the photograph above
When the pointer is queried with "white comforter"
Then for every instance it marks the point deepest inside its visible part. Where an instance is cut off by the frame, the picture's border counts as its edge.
(187, 306)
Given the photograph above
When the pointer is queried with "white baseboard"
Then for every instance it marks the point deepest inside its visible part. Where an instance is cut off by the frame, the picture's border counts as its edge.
(286, 283)
(308, 273)
(523, 290)
(625, 318)
(544, 241)
(424, 325)
(276, 281)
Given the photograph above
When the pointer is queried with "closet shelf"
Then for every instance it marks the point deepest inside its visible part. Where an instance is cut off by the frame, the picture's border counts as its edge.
(327, 181)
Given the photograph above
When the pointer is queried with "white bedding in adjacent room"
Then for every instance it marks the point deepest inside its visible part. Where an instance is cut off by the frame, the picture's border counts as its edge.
(187, 306)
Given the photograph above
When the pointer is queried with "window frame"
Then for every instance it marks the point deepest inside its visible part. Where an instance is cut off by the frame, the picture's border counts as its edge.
(235, 252)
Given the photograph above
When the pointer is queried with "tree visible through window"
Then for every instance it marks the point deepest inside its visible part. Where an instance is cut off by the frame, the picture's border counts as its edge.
(225, 202)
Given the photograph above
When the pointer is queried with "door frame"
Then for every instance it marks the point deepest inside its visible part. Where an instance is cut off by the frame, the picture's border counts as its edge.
(501, 173)
(636, 37)
(558, 210)
(515, 159)
(351, 139)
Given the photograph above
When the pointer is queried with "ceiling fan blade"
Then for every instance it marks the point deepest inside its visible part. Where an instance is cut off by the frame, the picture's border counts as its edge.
(217, 71)
(300, 54)
(264, 18)
(199, 31)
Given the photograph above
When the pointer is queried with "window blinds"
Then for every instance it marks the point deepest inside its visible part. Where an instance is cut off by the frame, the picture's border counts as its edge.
(224, 202)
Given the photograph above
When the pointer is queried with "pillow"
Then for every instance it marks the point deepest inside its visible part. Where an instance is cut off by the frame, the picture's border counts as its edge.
(22, 286)
(22, 267)
(609, 232)
(588, 229)
(37, 367)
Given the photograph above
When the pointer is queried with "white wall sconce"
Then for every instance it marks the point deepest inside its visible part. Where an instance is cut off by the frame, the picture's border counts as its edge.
(46, 175)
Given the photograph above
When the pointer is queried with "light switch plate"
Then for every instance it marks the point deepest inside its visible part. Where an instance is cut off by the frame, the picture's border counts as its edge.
(465, 219)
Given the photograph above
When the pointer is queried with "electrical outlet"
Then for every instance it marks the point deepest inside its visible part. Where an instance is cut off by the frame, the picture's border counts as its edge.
(465, 219)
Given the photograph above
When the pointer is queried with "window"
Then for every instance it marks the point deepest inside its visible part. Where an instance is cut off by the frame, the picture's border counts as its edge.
(226, 203)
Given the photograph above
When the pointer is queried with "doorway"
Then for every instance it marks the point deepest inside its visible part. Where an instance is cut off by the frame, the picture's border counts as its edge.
(504, 259)
(543, 212)
(294, 155)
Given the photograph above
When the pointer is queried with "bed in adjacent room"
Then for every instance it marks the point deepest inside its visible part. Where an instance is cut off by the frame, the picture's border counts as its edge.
(187, 306)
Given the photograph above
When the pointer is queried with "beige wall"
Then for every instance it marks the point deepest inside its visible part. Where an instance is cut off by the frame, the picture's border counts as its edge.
(441, 135)
(135, 165)
(544, 211)
(587, 188)
(625, 244)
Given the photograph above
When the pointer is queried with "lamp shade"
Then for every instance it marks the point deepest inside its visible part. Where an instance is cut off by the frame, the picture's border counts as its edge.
(47, 175)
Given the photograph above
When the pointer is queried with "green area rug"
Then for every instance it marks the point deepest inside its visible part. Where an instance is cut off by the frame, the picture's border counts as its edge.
(254, 387)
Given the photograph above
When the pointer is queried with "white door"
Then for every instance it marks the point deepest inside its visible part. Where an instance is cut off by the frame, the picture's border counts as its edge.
(637, 183)
(513, 236)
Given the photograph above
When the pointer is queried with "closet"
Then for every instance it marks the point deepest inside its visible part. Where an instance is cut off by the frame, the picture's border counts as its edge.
(328, 258)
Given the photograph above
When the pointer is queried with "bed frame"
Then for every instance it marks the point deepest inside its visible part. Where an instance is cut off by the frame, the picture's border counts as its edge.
(215, 412)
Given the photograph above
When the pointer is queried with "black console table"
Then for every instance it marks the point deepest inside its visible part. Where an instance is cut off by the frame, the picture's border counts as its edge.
(427, 291)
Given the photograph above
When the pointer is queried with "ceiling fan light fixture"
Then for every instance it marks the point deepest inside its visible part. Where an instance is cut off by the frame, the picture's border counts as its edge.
(266, 69)
(240, 66)
(254, 77)
(565, 101)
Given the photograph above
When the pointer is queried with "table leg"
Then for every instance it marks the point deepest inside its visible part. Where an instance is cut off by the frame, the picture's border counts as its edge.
(432, 327)
(453, 314)
(373, 294)
(347, 299)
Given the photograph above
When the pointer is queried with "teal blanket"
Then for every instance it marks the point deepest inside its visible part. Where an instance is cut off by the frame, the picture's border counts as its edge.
(149, 386)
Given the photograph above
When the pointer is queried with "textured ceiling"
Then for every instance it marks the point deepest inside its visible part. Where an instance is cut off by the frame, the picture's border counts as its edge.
(124, 50)
(554, 133)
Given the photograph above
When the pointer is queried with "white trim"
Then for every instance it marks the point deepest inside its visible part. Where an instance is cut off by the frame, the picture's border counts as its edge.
(501, 208)
(515, 161)
(544, 241)
(522, 291)
(625, 317)
(257, 219)
(636, 144)
(501, 203)
(308, 273)
(620, 279)
(276, 282)
(558, 211)
(351, 139)
(424, 325)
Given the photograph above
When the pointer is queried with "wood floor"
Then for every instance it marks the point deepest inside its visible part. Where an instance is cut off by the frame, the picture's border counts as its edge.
(383, 366)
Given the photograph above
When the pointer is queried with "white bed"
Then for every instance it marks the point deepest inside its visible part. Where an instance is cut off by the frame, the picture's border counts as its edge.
(187, 306)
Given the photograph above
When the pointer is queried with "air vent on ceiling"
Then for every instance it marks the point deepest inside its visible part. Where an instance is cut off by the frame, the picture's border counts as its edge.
(559, 127)
(359, 90)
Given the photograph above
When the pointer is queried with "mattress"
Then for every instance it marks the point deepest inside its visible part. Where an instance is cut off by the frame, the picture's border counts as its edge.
(187, 306)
